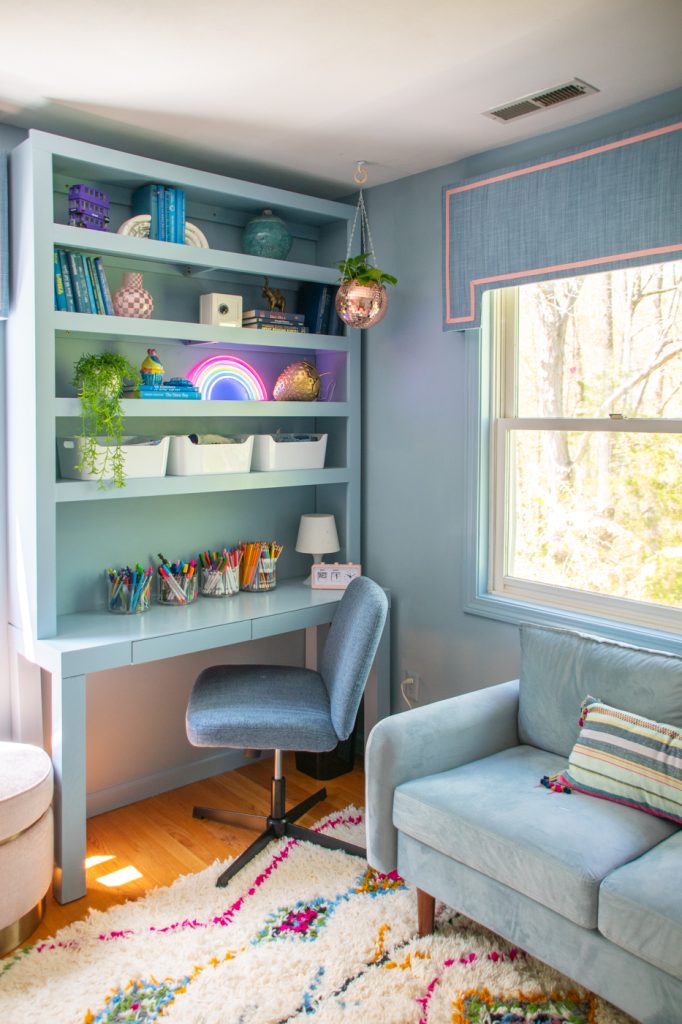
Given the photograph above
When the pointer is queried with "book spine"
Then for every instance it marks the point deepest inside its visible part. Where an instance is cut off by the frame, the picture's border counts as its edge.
(66, 278)
(161, 203)
(170, 204)
(181, 218)
(291, 328)
(326, 310)
(159, 393)
(94, 281)
(59, 296)
(104, 286)
(92, 302)
(272, 316)
(79, 288)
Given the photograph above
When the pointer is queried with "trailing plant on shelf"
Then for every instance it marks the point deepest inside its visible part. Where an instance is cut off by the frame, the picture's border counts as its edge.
(357, 268)
(99, 380)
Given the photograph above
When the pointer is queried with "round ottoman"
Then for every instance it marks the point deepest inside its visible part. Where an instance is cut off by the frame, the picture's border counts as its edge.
(26, 840)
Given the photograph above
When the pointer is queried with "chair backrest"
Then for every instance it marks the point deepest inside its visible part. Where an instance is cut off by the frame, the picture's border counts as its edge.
(349, 650)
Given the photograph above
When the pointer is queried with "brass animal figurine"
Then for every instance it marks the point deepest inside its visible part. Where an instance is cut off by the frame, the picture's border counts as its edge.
(274, 296)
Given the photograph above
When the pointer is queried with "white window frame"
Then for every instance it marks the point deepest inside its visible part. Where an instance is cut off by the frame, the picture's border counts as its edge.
(491, 367)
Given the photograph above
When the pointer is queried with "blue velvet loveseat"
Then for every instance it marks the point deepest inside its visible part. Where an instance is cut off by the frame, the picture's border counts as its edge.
(590, 886)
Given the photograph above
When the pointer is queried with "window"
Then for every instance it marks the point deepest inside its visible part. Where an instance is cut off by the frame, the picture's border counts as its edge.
(585, 467)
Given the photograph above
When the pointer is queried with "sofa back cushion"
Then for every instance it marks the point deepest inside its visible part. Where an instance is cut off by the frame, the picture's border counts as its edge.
(560, 668)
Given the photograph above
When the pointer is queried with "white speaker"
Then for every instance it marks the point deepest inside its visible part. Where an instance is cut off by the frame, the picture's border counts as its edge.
(221, 310)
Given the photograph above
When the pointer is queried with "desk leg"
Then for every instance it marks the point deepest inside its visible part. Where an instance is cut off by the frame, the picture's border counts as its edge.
(378, 690)
(68, 758)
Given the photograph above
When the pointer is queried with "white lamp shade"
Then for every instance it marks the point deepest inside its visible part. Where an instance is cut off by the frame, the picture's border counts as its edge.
(317, 534)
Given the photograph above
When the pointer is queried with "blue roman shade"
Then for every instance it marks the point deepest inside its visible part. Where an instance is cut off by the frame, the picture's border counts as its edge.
(616, 203)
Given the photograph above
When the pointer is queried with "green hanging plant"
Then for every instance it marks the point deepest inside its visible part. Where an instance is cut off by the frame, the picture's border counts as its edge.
(99, 380)
(356, 268)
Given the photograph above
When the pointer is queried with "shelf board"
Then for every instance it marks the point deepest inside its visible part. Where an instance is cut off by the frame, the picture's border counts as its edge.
(107, 328)
(149, 408)
(162, 486)
(190, 256)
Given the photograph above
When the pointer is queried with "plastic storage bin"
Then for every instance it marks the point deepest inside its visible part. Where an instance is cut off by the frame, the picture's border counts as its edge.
(188, 459)
(288, 451)
(142, 456)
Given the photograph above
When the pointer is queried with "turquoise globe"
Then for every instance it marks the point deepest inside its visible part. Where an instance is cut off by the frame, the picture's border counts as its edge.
(267, 235)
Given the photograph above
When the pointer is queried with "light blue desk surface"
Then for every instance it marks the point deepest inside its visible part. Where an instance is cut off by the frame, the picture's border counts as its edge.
(94, 641)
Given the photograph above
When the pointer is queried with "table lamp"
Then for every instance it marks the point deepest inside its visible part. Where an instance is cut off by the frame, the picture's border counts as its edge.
(317, 536)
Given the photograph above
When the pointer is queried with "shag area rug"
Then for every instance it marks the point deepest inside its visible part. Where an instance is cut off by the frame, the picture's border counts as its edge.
(301, 933)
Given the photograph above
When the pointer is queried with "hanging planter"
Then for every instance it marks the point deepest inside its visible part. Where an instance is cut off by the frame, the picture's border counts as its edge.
(362, 299)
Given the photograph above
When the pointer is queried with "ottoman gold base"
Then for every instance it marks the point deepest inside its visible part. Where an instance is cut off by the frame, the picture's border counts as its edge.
(14, 934)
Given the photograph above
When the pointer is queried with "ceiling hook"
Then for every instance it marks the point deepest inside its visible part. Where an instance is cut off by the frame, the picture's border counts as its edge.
(360, 174)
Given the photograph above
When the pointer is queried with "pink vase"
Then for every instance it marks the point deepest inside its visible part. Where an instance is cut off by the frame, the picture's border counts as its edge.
(132, 299)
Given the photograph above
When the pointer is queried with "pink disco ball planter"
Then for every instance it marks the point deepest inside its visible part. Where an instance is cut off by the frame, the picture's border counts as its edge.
(361, 305)
(132, 299)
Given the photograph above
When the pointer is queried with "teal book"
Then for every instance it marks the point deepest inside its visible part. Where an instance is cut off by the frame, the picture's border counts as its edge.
(146, 200)
(88, 283)
(171, 213)
(161, 205)
(59, 295)
(180, 217)
(66, 278)
(94, 281)
(104, 287)
(80, 289)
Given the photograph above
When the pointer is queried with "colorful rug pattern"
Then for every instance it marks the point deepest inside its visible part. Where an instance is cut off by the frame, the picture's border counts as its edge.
(302, 933)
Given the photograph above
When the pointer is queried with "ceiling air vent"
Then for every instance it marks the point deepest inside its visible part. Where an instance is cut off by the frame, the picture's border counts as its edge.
(541, 100)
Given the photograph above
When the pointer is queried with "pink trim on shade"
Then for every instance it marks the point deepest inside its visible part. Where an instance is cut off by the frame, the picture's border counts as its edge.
(655, 133)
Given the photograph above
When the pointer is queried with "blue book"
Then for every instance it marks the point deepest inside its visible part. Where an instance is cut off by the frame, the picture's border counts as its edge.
(59, 296)
(80, 289)
(180, 218)
(94, 281)
(145, 200)
(66, 278)
(104, 286)
(161, 204)
(171, 210)
(88, 283)
(313, 302)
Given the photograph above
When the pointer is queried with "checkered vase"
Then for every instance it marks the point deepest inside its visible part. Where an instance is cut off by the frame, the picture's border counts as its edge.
(132, 299)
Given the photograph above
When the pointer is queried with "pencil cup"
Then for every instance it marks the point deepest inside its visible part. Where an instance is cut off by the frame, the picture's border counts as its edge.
(128, 596)
(178, 588)
(264, 576)
(217, 583)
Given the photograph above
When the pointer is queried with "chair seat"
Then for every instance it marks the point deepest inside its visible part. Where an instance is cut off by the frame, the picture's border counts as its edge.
(260, 706)
(494, 816)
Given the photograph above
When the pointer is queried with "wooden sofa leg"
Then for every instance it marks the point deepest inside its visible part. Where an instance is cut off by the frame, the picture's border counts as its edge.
(426, 907)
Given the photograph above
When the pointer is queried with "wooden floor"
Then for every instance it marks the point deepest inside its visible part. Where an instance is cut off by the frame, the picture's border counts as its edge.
(161, 840)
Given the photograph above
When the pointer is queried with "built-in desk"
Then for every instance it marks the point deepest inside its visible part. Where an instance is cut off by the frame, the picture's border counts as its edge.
(94, 641)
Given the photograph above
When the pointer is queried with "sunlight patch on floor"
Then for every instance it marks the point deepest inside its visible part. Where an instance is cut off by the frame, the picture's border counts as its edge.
(91, 862)
(121, 877)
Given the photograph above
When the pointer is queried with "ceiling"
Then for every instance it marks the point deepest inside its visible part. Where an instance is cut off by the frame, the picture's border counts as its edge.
(295, 92)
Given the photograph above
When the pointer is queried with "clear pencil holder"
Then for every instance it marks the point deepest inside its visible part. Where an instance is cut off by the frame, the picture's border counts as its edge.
(264, 577)
(178, 588)
(219, 584)
(129, 598)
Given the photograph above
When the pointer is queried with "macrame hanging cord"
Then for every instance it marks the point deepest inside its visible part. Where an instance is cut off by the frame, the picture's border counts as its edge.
(366, 243)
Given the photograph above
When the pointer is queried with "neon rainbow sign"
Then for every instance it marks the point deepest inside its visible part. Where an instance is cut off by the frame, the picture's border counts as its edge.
(228, 378)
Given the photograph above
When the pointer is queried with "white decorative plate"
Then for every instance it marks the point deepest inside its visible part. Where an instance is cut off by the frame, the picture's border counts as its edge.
(138, 227)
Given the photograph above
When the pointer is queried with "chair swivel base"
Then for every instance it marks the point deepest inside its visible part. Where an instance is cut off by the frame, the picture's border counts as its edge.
(275, 825)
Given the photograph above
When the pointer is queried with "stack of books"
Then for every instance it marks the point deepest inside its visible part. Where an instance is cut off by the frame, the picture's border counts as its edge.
(175, 388)
(166, 207)
(80, 284)
(273, 320)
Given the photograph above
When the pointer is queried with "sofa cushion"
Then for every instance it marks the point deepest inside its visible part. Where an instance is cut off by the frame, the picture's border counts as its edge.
(560, 667)
(628, 758)
(493, 815)
(640, 906)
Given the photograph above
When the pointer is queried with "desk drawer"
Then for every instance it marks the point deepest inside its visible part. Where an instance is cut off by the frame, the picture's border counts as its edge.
(190, 641)
(272, 625)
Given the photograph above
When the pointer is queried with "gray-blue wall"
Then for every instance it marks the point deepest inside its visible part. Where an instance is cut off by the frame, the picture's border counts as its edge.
(416, 417)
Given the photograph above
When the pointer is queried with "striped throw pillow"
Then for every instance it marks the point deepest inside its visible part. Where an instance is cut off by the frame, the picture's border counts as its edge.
(626, 758)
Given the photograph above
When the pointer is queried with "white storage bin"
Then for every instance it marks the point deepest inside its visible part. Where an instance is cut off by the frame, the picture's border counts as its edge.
(142, 456)
(188, 459)
(289, 451)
